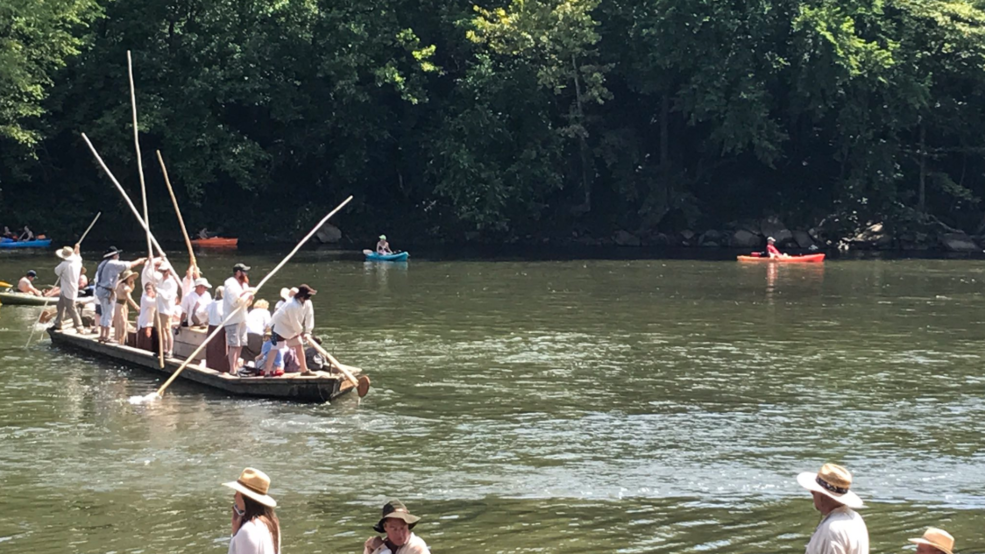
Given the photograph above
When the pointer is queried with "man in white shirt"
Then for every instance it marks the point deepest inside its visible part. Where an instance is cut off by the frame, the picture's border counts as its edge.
(68, 273)
(194, 305)
(236, 296)
(294, 321)
(841, 530)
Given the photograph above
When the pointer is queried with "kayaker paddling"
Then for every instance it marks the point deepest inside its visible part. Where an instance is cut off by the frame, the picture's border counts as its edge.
(772, 251)
(383, 247)
(397, 522)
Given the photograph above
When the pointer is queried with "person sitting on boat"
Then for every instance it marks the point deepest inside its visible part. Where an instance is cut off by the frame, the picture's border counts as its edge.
(106, 277)
(26, 284)
(272, 359)
(215, 351)
(69, 273)
(314, 358)
(257, 323)
(147, 318)
(294, 322)
(236, 298)
(256, 529)
(772, 251)
(84, 288)
(27, 234)
(121, 317)
(397, 523)
(383, 247)
(205, 234)
(195, 304)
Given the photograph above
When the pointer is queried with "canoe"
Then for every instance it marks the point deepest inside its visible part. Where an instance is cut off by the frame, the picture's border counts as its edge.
(398, 257)
(216, 242)
(43, 243)
(12, 298)
(809, 258)
(320, 387)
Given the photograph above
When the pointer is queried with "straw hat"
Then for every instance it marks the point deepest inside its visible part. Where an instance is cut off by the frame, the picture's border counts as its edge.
(202, 282)
(253, 483)
(127, 274)
(832, 481)
(65, 252)
(396, 509)
(288, 293)
(938, 538)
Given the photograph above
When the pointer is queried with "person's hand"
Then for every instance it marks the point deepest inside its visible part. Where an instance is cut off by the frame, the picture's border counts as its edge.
(373, 543)
(76, 249)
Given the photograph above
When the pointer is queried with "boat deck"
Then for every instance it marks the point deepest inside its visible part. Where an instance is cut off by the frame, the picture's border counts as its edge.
(320, 387)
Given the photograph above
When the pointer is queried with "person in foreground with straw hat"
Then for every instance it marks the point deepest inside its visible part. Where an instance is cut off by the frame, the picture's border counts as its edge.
(842, 530)
(121, 318)
(294, 322)
(934, 541)
(69, 274)
(106, 277)
(398, 523)
(256, 529)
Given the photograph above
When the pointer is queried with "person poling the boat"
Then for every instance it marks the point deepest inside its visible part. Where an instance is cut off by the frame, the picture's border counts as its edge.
(934, 541)
(188, 283)
(167, 285)
(195, 304)
(121, 317)
(397, 523)
(256, 529)
(383, 247)
(842, 529)
(237, 294)
(146, 318)
(772, 251)
(286, 294)
(106, 276)
(69, 274)
(294, 322)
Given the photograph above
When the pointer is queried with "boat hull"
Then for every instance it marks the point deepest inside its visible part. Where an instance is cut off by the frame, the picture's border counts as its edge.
(399, 257)
(322, 387)
(44, 243)
(216, 242)
(807, 259)
(20, 299)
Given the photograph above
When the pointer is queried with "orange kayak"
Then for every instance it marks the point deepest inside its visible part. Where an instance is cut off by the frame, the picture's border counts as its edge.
(216, 242)
(809, 258)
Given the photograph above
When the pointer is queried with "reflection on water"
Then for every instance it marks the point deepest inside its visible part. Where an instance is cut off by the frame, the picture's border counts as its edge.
(587, 406)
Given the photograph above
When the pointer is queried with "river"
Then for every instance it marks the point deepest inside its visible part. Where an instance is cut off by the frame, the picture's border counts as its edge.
(524, 406)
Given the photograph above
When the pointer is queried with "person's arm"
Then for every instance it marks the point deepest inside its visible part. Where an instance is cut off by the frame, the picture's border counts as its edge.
(136, 263)
(130, 301)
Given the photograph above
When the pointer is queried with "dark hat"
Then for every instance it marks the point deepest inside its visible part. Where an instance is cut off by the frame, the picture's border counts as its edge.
(304, 291)
(397, 510)
(112, 251)
(32, 273)
(241, 267)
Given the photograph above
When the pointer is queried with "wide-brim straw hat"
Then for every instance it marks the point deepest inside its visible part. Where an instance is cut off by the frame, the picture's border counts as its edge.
(127, 275)
(65, 252)
(832, 481)
(396, 509)
(938, 538)
(255, 484)
(202, 282)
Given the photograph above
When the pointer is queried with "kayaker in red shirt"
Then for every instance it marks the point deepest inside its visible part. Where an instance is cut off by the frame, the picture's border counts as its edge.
(772, 251)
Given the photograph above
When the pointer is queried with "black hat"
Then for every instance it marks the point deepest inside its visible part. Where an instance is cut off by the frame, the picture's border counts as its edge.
(396, 510)
(32, 273)
(241, 267)
(112, 251)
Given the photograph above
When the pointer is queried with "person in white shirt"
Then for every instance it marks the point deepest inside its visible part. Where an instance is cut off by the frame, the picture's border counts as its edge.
(146, 318)
(188, 283)
(842, 530)
(195, 304)
(236, 297)
(934, 541)
(286, 294)
(257, 323)
(295, 321)
(397, 522)
(256, 529)
(68, 273)
(167, 302)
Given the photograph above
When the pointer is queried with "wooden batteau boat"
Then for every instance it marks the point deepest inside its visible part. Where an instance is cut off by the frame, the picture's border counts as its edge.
(320, 387)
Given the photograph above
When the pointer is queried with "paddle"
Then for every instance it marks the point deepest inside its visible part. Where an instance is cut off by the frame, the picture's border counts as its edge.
(362, 384)
(184, 231)
(159, 393)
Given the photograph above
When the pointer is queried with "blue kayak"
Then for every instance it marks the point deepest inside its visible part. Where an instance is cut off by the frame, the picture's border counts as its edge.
(7, 243)
(398, 257)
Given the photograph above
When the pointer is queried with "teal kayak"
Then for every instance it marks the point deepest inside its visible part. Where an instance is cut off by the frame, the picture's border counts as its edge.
(397, 257)
(7, 243)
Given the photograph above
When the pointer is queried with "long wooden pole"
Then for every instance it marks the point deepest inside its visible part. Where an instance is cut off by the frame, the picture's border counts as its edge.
(342, 368)
(126, 197)
(89, 228)
(188, 241)
(241, 305)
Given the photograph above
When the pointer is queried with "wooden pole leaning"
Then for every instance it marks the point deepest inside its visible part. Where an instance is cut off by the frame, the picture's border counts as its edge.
(188, 241)
(242, 305)
(361, 384)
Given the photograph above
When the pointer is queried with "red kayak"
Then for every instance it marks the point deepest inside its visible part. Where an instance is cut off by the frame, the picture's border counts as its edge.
(216, 242)
(809, 258)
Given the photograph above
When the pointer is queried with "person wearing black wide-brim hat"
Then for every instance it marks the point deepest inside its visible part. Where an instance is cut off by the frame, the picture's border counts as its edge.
(397, 522)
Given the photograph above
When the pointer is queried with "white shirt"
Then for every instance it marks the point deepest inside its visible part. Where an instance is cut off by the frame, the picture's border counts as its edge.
(231, 299)
(294, 318)
(148, 311)
(68, 273)
(215, 312)
(257, 321)
(167, 293)
(253, 537)
(196, 306)
(414, 545)
(841, 532)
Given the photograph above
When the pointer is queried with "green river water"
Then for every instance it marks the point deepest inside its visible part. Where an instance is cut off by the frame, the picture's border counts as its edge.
(530, 407)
